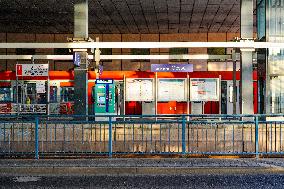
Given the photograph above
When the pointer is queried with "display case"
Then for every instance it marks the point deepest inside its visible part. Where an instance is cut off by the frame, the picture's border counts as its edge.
(140, 90)
(172, 90)
(204, 89)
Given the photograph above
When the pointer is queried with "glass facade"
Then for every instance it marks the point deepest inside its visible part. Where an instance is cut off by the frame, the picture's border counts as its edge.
(277, 95)
(261, 19)
(275, 62)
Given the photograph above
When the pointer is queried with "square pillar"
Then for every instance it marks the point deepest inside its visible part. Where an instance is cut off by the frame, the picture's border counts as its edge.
(81, 19)
(247, 106)
(81, 73)
(246, 100)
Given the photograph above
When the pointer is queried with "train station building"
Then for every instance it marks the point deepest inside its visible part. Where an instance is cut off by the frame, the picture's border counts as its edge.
(134, 57)
(129, 77)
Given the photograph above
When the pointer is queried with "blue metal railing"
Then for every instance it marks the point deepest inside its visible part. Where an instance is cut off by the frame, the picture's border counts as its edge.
(140, 134)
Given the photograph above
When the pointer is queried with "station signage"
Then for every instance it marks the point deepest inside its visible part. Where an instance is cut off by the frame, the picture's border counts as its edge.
(171, 67)
(104, 81)
(32, 70)
(77, 59)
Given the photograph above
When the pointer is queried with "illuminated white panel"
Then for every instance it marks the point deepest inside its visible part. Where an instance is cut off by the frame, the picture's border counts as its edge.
(202, 89)
(139, 90)
(172, 90)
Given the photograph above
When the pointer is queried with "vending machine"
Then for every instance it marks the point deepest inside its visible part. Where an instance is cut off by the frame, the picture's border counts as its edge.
(104, 96)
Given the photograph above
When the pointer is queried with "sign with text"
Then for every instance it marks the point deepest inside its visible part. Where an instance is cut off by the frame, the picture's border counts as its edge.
(32, 70)
(171, 67)
(104, 81)
(204, 89)
(77, 59)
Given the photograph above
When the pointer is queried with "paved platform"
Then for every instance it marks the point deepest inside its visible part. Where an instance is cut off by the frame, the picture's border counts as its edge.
(118, 166)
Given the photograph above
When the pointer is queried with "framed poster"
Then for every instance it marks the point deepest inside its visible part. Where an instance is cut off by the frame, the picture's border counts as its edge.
(205, 89)
(172, 90)
(139, 90)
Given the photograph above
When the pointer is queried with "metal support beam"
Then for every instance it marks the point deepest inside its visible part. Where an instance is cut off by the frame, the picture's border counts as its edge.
(132, 45)
(119, 57)
(247, 58)
(234, 82)
(97, 59)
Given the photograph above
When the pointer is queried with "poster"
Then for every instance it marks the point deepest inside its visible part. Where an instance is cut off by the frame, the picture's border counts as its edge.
(40, 86)
(139, 90)
(204, 89)
(172, 90)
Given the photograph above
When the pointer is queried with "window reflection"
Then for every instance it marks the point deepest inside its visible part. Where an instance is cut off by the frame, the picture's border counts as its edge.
(53, 94)
(67, 94)
(6, 94)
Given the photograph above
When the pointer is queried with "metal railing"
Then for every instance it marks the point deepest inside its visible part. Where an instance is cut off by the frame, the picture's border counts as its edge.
(73, 135)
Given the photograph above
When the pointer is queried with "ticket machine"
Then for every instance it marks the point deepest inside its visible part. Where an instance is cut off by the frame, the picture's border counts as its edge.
(104, 96)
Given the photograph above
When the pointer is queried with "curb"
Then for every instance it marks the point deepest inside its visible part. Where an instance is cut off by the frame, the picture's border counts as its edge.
(130, 171)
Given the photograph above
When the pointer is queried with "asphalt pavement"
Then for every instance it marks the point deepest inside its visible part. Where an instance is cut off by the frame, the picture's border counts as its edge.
(143, 173)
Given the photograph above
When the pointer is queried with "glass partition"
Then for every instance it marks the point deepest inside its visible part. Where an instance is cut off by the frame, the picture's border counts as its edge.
(67, 94)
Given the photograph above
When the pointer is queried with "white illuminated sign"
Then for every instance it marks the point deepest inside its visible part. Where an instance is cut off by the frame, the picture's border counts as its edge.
(32, 70)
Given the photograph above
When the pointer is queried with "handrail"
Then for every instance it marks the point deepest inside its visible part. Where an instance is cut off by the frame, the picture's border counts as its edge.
(128, 130)
(146, 116)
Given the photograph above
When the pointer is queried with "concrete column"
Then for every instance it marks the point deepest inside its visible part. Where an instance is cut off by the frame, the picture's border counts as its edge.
(80, 73)
(81, 19)
(246, 58)
(246, 83)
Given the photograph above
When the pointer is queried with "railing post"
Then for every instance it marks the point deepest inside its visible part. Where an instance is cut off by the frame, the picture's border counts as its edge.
(183, 135)
(256, 137)
(110, 137)
(36, 137)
